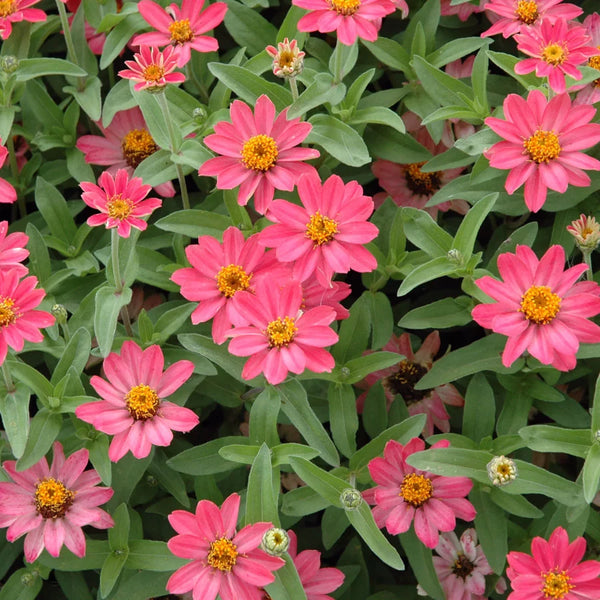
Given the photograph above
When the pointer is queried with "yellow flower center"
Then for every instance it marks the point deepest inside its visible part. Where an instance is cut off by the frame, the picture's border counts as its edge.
(421, 183)
(7, 7)
(7, 314)
(181, 32)
(260, 153)
(416, 489)
(542, 146)
(540, 305)
(321, 229)
(527, 11)
(281, 331)
(153, 73)
(119, 207)
(594, 62)
(556, 584)
(345, 7)
(137, 145)
(232, 279)
(52, 498)
(142, 402)
(222, 554)
(286, 58)
(554, 54)
(403, 381)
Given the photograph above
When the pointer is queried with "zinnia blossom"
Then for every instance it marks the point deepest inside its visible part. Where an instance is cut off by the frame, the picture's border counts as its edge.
(542, 145)
(554, 570)
(540, 307)
(8, 194)
(181, 27)
(288, 60)
(314, 294)
(405, 494)
(51, 505)
(13, 251)
(152, 69)
(134, 408)
(120, 201)
(14, 11)
(590, 93)
(259, 151)
(223, 561)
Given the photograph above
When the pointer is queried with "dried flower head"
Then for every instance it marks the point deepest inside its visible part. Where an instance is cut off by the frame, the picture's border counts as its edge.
(502, 470)
(586, 231)
(288, 59)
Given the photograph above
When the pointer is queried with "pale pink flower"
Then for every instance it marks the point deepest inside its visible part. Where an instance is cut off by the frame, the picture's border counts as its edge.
(556, 50)
(181, 27)
(124, 144)
(542, 145)
(554, 570)
(152, 69)
(405, 494)
(120, 200)
(51, 505)
(12, 250)
(288, 60)
(402, 378)
(590, 93)
(540, 307)
(280, 336)
(223, 561)
(134, 408)
(259, 152)
(463, 11)
(586, 231)
(315, 294)
(14, 11)
(327, 233)
(8, 194)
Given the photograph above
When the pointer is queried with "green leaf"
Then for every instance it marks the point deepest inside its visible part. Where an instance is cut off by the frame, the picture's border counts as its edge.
(195, 223)
(141, 585)
(479, 76)
(14, 409)
(55, 211)
(261, 502)
(441, 314)
(479, 414)
(75, 355)
(90, 98)
(353, 333)
(432, 269)
(381, 317)
(126, 475)
(118, 98)
(168, 478)
(98, 448)
(425, 233)
(248, 28)
(440, 86)
(596, 407)
(507, 63)
(374, 414)
(491, 525)
(343, 419)
(23, 584)
(358, 368)
(118, 536)
(109, 303)
(516, 505)
(464, 241)
(421, 562)
(263, 418)
(302, 501)
(287, 584)
(357, 89)
(111, 569)
(155, 119)
(389, 144)
(29, 68)
(39, 258)
(549, 438)
(117, 39)
(427, 17)
(455, 49)
(281, 454)
(380, 115)
(31, 378)
(73, 585)
(239, 453)
(390, 53)
(96, 552)
(151, 555)
(591, 473)
(205, 458)
(157, 168)
(44, 429)
(322, 90)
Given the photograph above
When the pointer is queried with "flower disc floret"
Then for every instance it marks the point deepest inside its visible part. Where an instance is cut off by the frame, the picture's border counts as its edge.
(320, 229)
(542, 146)
(527, 11)
(232, 279)
(14, 11)
(345, 7)
(421, 182)
(540, 305)
(138, 145)
(142, 402)
(260, 153)
(52, 498)
(181, 32)
(281, 332)
(416, 489)
(556, 584)
(222, 554)
(7, 314)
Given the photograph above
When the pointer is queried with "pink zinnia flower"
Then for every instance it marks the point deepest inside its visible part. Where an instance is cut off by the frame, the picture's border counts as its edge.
(540, 307)
(542, 145)
(590, 93)
(12, 250)
(134, 408)
(315, 294)
(14, 11)
(259, 152)
(326, 234)
(556, 50)
(554, 570)
(51, 505)
(402, 378)
(281, 337)
(351, 19)
(288, 60)
(181, 27)
(124, 144)
(218, 273)
(8, 194)
(120, 201)
(152, 69)
(224, 561)
(404, 494)
(462, 11)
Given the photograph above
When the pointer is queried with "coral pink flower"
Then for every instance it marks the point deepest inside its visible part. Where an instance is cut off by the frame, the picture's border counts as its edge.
(542, 144)
(326, 234)
(554, 570)
(14, 11)
(120, 201)
(51, 505)
(540, 307)
(351, 19)
(8, 194)
(18, 320)
(281, 337)
(513, 15)
(223, 561)
(402, 378)
(134, 408)
(12, 250)
(404, 494)
(152, 69)
(181, 27)
(124, 144)
(259, 151)
(556, 50)
(218, 273)
(462, 11)
(590, 94)
(314, 294)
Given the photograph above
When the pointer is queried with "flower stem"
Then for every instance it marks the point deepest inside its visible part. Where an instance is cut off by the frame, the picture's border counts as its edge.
(114, 251)
(587, 259)
(8, 382)
(64, 21)
(293, 88)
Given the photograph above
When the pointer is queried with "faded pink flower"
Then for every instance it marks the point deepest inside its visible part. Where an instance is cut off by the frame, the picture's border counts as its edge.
(314, 294)
(463, 11)
(590, 93)
(14, 11)
(51, 505)
(152, 69)
(12, 250)
(8, 194)
(134, 408)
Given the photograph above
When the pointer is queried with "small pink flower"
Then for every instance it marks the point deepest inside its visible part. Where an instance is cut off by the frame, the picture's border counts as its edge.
(280, 336)
(8, 194)
(554, 570)
(223, 561)
(314, 294)
(12, 250)
(181, 27)
(259, 152)
(542, 145)
(152, 69)
(590, 93)
(326, 234)
(288, 60)
(134, 408)
(51, 505)
(120, 201)
(405, 494)
(463, 11)
(540, 307)
(14, 11)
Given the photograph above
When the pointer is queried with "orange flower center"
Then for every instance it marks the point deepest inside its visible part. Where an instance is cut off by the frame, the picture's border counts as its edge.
(281, 332)
(416, 489)
(345, 7)
(119, 207)
(540, 305)
(232, 279)
(181, 32)
(153, 73)
(137, 145)
(52, 498)
(527, 11)
(260, 153)
(321, 229)
(7, 7)
(554, 54)
(142, 402)
(419, 182)
(222, 554)
(556, 584)
(594, 62)
(286, 58)
(404, 379)
(7, 314)
(542, 146)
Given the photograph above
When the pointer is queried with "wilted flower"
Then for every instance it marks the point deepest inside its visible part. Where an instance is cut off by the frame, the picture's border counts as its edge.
(586, 231)
(288, 59)
(502, 470)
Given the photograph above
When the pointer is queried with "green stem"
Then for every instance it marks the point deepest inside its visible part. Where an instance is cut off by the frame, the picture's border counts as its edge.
(64, 21)
(126, 321)
(10, 386)
(338, 63)
(587, 259)
(66, 332)
(114, 251)
(293, 88)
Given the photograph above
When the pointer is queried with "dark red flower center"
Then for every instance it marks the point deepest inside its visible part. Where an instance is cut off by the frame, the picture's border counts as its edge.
(403, 381)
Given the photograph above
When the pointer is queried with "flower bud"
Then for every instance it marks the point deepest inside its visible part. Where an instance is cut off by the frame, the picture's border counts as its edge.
(351, 498)
(288, 60)
(275, 541)
(586, 231)
(9, 64)
(455, 256)
(60, 313)
(502, 470)
(200, 114)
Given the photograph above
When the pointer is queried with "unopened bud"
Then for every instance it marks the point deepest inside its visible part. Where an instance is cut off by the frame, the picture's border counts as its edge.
(455, 256)
(502, 470)
(288, 60)
(275, 541)
(200, 114)
(351, 498)
(60, 313)
(9, 64)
